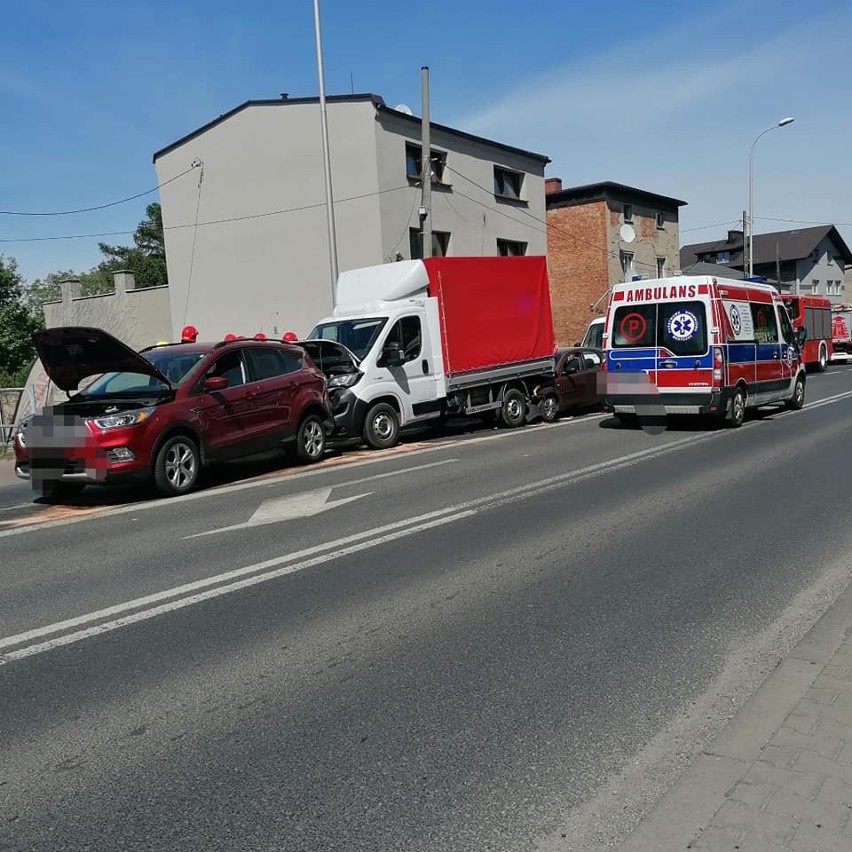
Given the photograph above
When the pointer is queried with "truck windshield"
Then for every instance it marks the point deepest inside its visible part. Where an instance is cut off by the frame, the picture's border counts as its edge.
(357, 335)
(680, 327)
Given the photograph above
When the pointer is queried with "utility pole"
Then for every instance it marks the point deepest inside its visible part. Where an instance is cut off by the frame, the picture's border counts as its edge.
(326, 157)
(778, 265)
(746, 256)
(425, 167)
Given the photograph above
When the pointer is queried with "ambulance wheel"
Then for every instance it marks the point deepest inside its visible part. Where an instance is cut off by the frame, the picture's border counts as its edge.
(514, 410)
(822, 364)
(381, 428)
(738, 409)
(53, 491)
(628, 421)
(797, 400)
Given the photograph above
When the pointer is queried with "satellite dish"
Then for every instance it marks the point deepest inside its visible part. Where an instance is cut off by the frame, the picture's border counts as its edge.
(628, 234)
(404, 109)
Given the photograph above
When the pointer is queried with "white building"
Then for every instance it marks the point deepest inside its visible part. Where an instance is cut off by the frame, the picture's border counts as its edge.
(258, 258)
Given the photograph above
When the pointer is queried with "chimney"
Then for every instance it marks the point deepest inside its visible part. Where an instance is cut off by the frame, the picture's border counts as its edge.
(123, 281)
(735, 236)
(552, 185)
(285, 96)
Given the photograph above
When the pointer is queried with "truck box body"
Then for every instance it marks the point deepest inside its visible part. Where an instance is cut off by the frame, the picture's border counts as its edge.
(841, 329)
(493, 311)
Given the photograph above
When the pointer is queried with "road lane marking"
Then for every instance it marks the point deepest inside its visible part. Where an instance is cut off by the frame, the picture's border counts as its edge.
(270, 569)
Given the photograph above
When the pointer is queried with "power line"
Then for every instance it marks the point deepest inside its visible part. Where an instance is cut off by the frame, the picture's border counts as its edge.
(716, 225)
(209, 222)
(99, 206)
(803, 222)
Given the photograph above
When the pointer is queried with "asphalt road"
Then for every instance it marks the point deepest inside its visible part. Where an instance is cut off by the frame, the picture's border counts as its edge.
(497, 641)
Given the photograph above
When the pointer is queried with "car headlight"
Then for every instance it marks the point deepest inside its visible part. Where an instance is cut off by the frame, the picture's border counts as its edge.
(122, 420)
(347, 380)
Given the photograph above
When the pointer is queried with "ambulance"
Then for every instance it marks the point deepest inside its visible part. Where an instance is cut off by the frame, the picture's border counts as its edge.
(699, 345)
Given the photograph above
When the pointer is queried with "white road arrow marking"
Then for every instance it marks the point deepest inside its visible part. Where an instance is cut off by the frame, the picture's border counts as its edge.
(288, 508)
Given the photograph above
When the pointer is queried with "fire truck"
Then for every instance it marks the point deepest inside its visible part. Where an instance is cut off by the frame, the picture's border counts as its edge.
(813, 313)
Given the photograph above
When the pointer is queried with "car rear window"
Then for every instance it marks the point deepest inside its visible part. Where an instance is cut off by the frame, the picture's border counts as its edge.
(680, 327)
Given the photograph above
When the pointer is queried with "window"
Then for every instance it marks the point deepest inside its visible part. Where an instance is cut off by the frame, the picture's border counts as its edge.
(815, 288)
(679, 326)
(511, 248)
(634, 325)
(414, 163)
(573, 364)
(591, 360)
(765, 326)
(627, 209)
(508, 184)
(626, 258)
(358, 336)
(661, 267)
(786, 327)
(229, 366)
(267, 363)
(440, 243)
(406, 332)
(661, 220)
(723, 257)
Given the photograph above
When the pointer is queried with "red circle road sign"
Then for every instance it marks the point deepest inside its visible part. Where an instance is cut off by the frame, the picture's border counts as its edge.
(633, 327)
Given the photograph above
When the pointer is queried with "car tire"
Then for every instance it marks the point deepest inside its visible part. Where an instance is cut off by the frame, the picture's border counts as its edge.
(177, 466)
(514, 410)
(381, 427)
(736, 418)
(628, 421)
(550, 408)
(797, 400)
(822, 363)
(310, 440)
(53, 491)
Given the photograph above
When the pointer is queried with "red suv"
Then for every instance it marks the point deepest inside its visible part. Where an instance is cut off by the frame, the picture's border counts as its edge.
(164, 413)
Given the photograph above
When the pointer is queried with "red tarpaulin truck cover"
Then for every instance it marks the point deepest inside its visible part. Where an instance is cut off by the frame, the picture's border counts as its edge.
(493, 310)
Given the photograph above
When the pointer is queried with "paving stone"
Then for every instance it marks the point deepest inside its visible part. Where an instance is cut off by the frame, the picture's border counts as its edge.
(781, 756)
(821, 696)
(802, 723)
(837, 684)
(775, 828)
(837, 791)
(716, 839)
(819, 841)
(803, 784)
(837, 711)
(825, 814)
(832, 728)
(824, 745)
(751, 795)
(809, 762)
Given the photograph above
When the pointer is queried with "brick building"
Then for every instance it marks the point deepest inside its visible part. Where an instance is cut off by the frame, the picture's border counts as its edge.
(589, 249)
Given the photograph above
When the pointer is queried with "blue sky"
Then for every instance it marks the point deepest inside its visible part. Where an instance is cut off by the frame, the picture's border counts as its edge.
(667, 96)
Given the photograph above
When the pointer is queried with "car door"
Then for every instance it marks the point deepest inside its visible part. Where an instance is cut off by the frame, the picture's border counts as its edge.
(789, 348)
(414, 378)
(769, 379)
(570, 379)
(592, 361)
(224, 415)
(273, 388)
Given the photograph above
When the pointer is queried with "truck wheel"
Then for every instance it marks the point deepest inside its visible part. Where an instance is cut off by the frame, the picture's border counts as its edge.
(381, 428)
(738, 409)
(177, 466)
(514, 410)
(550, 408)
(822, 364)
(310, 440)
(797, 400)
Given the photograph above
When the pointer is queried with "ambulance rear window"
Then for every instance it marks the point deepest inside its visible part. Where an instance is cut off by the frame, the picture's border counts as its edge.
(680, 327)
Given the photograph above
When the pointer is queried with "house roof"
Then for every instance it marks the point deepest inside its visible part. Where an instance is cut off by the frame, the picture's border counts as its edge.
(610, 189)
(791, 245)
(376, 100)
(717, 269)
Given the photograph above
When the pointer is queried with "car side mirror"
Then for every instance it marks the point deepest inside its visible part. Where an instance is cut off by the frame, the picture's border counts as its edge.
(392, 355)
(215, 383)
(801, 335)
(572, 367)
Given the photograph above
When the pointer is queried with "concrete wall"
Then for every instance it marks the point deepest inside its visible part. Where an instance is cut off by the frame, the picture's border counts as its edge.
(650, 243)
(577, 267)
(259, 272)
(138, 318)
(824, 270)
(464, 204)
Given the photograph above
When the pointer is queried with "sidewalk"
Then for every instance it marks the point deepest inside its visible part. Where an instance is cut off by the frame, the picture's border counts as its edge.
(779, 776)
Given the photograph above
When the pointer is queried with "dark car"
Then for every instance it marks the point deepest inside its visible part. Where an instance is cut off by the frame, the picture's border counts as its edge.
(574, 387)
(164, 413)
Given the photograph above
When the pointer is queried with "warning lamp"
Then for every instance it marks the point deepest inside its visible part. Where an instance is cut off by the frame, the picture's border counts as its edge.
(260, 336)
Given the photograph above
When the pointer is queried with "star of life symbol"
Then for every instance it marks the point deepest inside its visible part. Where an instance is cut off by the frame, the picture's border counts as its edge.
(789, 355)
(736, 322)
(682, 325)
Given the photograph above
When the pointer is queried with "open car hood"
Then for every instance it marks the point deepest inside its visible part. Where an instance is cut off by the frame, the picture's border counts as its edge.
(71, 353)
(330, 353)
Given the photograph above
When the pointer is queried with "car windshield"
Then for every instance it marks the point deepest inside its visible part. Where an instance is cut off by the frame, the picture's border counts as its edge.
(357, 335)
(176, 366)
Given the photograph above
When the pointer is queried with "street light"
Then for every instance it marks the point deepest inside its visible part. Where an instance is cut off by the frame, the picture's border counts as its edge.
(783, 123)
(326, 157)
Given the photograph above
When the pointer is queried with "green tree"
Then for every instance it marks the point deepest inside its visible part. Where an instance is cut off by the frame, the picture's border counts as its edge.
(45, 290)
(16, 326)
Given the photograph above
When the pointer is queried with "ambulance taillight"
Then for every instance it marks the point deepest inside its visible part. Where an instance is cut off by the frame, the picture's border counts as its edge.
(718, 363)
